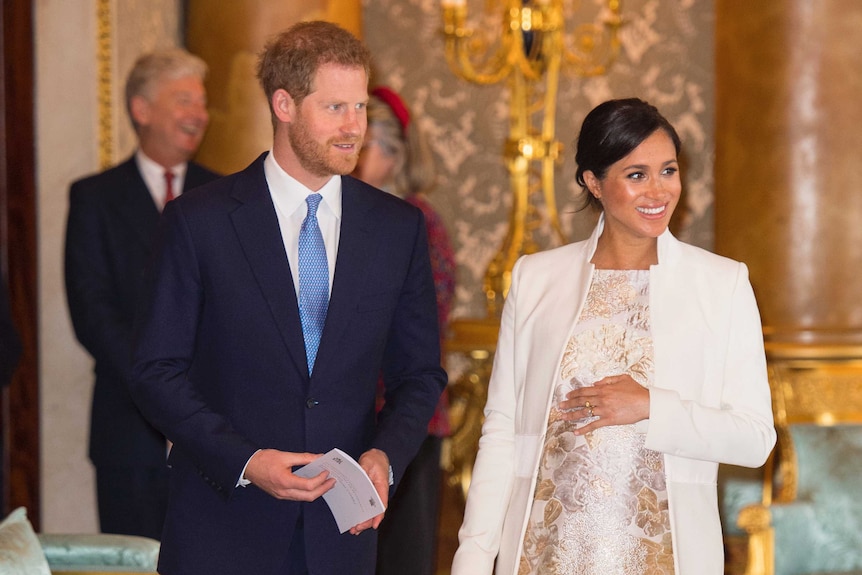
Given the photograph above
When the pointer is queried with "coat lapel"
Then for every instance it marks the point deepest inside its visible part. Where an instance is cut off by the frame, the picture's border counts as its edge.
(133, 203)
(568, 284)
(350, 268)
(257, 228)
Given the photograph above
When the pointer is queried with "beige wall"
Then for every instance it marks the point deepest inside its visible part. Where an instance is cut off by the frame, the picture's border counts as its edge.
(66, 130)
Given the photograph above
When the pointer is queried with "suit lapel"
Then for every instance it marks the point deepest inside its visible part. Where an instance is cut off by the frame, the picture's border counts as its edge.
(350, 266)
(257, 228)
(132, 201)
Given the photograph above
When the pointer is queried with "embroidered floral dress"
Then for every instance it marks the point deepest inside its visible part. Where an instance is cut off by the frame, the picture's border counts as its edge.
(600, 505)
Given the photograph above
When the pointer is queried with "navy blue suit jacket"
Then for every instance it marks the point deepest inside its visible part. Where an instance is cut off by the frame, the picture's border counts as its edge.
(220, 368)
(109, 235)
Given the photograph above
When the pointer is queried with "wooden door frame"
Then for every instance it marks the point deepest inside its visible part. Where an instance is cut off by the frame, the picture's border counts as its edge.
(19, 407)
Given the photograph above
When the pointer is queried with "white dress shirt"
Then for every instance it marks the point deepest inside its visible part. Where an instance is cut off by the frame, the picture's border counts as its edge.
(289, 195)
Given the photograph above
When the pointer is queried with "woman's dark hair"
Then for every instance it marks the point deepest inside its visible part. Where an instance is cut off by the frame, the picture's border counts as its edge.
(610, 132)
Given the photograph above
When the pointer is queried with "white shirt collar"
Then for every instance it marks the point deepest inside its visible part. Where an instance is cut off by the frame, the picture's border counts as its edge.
(148, 165)
(153, 174)
(289, 194)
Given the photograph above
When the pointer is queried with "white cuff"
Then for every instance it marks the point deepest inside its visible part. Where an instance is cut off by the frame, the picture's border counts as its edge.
(243, 482)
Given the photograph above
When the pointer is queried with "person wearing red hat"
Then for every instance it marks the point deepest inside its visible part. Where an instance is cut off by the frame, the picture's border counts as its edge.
(395, 158)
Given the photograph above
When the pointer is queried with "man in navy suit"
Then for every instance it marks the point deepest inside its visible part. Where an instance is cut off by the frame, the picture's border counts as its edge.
(113, 217)
(222, 362)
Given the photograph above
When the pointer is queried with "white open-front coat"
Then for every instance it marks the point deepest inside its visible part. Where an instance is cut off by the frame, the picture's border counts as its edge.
(710, 402)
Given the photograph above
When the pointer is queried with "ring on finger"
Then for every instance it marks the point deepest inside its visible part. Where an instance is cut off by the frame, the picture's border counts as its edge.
(588, 405)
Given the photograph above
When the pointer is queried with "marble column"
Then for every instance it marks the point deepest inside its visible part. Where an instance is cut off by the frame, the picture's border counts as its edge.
(788, 170)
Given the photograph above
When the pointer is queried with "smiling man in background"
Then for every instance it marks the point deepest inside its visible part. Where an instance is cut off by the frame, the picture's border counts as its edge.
(113, 218)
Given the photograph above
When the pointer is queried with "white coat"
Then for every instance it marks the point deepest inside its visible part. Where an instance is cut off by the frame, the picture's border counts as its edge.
(710, 402)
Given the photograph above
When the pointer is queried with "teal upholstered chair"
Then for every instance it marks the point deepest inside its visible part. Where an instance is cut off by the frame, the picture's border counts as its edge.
(22, 552)
(807, 518)
(99, 553)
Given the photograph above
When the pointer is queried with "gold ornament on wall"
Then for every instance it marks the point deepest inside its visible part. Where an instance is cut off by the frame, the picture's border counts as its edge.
(104, 75)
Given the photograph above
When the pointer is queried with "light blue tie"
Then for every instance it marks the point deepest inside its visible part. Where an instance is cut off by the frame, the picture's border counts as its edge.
(313, 281)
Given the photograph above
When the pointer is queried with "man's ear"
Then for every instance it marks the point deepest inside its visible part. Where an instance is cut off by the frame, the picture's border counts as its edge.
(283, 106)
(593, 184)
(140, 110)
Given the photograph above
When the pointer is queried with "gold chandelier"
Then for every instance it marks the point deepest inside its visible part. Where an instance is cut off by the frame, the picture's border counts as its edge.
(528, 45)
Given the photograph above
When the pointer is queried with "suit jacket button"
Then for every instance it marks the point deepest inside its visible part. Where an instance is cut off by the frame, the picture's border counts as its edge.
(311, 402)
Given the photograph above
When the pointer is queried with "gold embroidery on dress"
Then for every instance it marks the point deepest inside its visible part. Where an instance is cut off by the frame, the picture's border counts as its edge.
(600, 505)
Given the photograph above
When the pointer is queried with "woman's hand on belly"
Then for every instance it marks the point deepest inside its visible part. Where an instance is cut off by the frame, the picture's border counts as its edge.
(614, 400)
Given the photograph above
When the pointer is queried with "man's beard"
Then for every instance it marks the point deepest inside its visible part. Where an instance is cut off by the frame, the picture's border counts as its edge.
(318, 159)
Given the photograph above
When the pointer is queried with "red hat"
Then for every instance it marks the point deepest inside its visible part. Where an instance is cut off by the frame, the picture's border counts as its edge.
(394, 101)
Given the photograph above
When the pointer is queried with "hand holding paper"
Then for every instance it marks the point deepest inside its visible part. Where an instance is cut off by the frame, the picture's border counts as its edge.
(376, 465)
(270, 470)
(354, 500)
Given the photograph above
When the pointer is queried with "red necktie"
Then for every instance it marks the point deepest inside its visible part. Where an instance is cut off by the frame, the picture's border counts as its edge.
(169, 186)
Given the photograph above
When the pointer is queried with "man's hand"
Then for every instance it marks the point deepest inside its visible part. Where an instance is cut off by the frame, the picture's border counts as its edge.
(376, 465)
(270, 470)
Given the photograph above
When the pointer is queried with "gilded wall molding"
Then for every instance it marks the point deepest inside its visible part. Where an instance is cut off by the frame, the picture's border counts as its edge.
(104, 79)
(125, 29)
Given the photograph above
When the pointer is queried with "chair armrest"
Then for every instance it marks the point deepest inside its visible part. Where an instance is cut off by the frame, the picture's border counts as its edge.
(755, 520)
(100, 553)
(737, 488)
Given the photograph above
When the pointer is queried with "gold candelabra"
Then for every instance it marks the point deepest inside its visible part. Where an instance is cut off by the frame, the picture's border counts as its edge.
(529, 49)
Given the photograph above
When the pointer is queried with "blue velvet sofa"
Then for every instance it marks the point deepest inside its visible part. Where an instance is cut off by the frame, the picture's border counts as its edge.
(22, 552)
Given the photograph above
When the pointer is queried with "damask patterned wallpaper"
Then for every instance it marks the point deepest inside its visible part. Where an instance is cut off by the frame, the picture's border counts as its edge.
(666, 59)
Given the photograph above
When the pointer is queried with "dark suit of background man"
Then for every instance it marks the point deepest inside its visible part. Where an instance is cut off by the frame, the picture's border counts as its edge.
(113, 217)
(221, 362)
